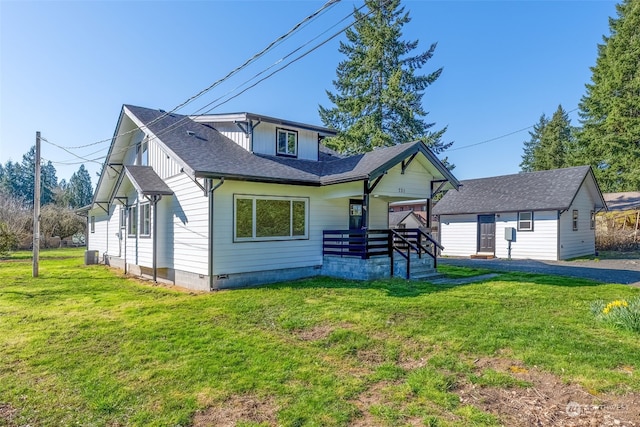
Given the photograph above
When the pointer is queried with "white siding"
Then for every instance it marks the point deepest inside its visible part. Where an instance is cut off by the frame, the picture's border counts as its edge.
(97, 241)
(187, 228)
(234, 133)
(162, 163)
(413, 184)
(459, 234)
(264, 141)
(113, 237)
(378, 214)
(583, 241)
(541, 243)
(325, 212)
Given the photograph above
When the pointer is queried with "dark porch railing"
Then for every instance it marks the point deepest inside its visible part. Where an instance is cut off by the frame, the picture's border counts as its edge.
(371, 243)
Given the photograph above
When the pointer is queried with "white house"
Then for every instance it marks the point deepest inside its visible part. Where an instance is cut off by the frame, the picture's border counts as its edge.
(549, 215)
(228, 200)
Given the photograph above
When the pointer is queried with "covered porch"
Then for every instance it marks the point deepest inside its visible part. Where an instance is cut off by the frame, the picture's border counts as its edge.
(374, 254)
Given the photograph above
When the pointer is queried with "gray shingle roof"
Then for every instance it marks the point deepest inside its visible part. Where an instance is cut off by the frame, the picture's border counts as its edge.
(543, 190)
(146, 181)
(205, 152)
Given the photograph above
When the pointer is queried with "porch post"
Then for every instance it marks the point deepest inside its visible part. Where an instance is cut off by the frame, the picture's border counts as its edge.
(365, 205)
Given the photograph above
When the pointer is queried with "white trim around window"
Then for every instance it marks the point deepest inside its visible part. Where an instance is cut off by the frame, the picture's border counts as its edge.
(145, 219)
(93, 224)
(132, 223)
(286, 142)
(263, 218)
(574, 220)
(525, 221)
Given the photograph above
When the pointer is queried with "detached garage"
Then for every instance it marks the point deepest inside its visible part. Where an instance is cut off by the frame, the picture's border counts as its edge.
(548, 215)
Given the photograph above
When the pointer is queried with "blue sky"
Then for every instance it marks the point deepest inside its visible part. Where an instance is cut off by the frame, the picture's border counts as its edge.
(67, 67)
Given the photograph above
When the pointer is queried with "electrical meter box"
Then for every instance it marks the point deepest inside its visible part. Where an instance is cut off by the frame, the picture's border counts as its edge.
(509, 234)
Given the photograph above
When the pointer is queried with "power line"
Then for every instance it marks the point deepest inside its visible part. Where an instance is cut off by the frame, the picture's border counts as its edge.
(498, 137)
(270, 46)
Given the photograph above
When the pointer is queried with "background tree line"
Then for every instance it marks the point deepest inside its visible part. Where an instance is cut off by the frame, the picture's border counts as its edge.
(608, 137)
(58, 201)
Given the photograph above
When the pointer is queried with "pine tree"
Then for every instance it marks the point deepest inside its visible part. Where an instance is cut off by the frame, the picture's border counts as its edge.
(379, 95)
(79, 188)
(528, 157)
(555, 140)
(610, 110)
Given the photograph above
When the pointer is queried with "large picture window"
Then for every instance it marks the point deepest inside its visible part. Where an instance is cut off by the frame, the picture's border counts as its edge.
(287, 143)
(270, 218)
(145, 219)
(525, 221)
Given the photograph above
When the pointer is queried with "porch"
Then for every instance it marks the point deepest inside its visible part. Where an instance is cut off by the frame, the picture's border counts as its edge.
(374, 254)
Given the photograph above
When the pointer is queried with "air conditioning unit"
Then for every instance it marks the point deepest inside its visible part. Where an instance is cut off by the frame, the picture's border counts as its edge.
(91, 257)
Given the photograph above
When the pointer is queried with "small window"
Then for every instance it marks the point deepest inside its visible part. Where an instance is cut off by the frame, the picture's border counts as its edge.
(93, 224)
(287, 143)
(145, 219)
(575, 220)
(123, 217)
(525, 221)
(270, 218)
(143, 153)
(133, 221)
(593, 220)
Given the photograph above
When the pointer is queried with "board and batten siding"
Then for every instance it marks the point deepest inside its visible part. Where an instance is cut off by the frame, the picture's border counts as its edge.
(459, 234)
(233, 132)
(583, 241)
(163, 164)
(187, 230)
(264, 141)
(413, 184)
(541, 243)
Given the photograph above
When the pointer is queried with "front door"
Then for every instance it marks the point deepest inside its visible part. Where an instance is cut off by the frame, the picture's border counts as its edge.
(355, 214)
(486, 233)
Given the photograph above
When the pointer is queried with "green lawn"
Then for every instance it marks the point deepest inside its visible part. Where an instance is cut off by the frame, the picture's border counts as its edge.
(82, 345)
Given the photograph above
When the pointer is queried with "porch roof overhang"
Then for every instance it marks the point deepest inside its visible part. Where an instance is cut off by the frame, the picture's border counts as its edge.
(146, 181)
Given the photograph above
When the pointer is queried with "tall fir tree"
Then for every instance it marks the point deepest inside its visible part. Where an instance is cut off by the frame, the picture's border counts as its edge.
(378, 101)
(610, 110)
(528, 156)
(79, 188)
(555, 141)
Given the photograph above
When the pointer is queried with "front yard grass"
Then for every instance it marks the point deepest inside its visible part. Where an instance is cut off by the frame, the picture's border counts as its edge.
(83, 345)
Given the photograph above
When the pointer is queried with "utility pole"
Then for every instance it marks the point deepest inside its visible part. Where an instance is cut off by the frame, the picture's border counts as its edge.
(36, 209)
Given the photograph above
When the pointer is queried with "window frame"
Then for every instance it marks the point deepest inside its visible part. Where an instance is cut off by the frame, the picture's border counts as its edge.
(574, 219)
(132, 221)
(254, 228)
(287, 132)
(92, 226)
(592, 220)
(521, 220)
(145, 219)
(123, 218)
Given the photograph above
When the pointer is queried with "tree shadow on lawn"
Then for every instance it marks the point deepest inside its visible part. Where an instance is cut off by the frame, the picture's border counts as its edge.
(401, 288)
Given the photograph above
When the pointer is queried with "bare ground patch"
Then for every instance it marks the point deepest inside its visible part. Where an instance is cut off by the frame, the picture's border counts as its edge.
(237, 409)
(7, 414)
(549, 401)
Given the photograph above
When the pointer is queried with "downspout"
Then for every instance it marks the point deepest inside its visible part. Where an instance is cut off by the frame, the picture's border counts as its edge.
(210, 189)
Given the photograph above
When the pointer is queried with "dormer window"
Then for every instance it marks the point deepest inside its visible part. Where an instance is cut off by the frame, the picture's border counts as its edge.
(287, 143)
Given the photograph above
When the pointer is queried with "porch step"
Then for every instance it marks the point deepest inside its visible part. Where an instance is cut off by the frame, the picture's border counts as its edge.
(482, 256)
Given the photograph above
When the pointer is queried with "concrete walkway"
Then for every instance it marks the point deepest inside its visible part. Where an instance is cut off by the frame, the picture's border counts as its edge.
(625, 271)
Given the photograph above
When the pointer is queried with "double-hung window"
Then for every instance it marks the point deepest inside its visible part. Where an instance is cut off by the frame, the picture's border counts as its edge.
(593, 220)
(132, 229)
(287, 143)
(145, 219)
(93, 224)
(575, 220)
(525, 221)
(270, 218)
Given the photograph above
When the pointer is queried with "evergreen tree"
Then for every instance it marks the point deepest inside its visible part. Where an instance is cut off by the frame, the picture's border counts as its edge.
(25, 179)
(379, 96)
(555, 142)
(528, 157)
(80, 189)
(610, 110)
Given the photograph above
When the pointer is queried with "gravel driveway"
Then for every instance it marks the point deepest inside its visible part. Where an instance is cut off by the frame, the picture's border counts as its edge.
(625, 271)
